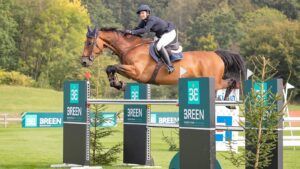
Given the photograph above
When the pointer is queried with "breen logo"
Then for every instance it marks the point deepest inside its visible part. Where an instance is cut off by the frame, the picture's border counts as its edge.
(134, 92)
(31, 121)
(193, 92)
(260, 87)
(74, 93)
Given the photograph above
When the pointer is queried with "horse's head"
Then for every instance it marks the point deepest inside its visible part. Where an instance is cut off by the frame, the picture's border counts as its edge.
(111, 38)
(93, 46)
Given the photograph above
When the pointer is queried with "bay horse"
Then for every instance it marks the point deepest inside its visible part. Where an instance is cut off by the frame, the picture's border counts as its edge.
(226, 67)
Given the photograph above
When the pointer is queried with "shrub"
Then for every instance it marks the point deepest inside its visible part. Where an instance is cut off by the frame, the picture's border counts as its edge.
(15, 78)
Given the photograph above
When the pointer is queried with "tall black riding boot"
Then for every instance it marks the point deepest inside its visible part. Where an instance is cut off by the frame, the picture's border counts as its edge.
(165, 55)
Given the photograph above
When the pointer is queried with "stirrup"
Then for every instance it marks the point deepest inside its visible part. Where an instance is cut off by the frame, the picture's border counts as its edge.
(170, 69)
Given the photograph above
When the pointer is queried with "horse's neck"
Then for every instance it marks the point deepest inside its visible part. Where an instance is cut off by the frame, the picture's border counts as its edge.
(122, 45)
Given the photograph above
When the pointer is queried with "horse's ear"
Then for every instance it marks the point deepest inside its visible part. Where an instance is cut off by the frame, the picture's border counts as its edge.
(89, 29)
(95, 30)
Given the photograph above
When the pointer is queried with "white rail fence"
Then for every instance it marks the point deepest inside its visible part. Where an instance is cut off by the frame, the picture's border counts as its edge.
(5, 120)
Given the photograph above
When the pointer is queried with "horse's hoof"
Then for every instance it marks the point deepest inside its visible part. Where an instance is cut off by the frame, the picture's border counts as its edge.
(230, 107)
(123, 84)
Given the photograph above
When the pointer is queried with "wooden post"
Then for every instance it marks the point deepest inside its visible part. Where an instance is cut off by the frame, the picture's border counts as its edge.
(5, 120)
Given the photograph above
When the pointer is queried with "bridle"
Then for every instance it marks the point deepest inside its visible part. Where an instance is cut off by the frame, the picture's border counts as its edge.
(91, 57)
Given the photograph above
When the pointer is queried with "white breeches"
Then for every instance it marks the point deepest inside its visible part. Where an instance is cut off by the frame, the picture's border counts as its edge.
(166, 39)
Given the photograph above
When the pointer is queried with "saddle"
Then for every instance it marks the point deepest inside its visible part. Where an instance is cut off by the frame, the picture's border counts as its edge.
(175, 52)
(174, 49)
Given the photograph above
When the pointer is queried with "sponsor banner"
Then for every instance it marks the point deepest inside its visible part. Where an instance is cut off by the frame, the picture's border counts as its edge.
(52, 119)
(164, 117)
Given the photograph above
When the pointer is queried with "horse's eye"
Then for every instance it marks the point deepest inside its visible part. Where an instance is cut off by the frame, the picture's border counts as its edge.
(88, 43)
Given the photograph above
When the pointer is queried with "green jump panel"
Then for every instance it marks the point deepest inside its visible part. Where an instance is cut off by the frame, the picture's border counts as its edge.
(76, 128)
(197, 123)
(136, 141)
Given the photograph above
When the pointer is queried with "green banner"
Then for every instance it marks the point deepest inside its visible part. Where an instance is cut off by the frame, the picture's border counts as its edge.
(135, 113)
(51, 119)
(75, 96)
(108, 119)
(164, 117)
(42, 120)
(194, 110)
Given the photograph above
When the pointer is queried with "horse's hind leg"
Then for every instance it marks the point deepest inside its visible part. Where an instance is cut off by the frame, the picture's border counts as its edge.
(231, 86)
(227, 84)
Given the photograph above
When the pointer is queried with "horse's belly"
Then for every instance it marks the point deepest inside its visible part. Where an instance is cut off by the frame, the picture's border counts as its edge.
(194, 64)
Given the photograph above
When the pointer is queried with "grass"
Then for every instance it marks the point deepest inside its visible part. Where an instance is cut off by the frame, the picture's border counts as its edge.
(16, 99)
(39, 148)
(30, 148)
(294, 107)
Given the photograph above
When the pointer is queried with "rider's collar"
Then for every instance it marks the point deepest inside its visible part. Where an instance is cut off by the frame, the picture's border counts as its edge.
(146, 18)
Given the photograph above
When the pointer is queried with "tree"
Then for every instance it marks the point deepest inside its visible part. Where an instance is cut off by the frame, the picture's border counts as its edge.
(125, 10)
(263, 117)
(207, 43)
(52, 34)
(290, 8)
(221, 23)
(181, 13)
(240, 7)
(269, 33)
(101, 155)
(100, 15)
(8, 34)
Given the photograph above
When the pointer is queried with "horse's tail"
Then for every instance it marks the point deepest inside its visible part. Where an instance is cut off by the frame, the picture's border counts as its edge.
(234, 65)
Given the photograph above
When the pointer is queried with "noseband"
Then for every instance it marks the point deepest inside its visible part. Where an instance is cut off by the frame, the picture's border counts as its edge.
(95, 44)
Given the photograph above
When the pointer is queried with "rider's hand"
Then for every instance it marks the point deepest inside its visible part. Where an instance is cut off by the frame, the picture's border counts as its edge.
(128, 31)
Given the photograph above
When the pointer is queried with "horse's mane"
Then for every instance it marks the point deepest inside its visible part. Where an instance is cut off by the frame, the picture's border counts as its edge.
(112, 29)
(106, 29)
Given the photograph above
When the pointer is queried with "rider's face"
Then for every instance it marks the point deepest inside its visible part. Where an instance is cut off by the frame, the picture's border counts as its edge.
(143, 15)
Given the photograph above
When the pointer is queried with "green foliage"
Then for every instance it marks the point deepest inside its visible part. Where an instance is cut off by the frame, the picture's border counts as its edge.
(240, 7)
(262, 16)
(8, 33)
(101, 155)
(207, 43)
(221, 23)
(291, 8)
(100, 15)
(269, 33)
(51, 39)
(164, 92)
(125, 10)
(170, 140)
(15, 78)
(262, 116)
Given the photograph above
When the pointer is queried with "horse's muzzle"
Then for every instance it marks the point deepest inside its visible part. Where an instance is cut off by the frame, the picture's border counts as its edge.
(85, 62)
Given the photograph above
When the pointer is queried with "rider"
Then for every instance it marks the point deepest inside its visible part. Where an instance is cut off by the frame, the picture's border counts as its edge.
(164, 30)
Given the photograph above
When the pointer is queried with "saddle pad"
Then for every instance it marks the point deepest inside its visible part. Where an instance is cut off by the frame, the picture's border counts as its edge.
(173, 57)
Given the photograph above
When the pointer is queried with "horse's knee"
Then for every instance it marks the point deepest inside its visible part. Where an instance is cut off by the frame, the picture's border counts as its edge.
(111, 69)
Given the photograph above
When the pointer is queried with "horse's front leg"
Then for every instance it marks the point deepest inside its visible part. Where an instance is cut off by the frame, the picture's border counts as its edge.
(128, 71)
(111, 71)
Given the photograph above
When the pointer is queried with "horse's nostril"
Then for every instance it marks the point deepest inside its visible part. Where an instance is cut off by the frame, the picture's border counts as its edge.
(84, 64)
